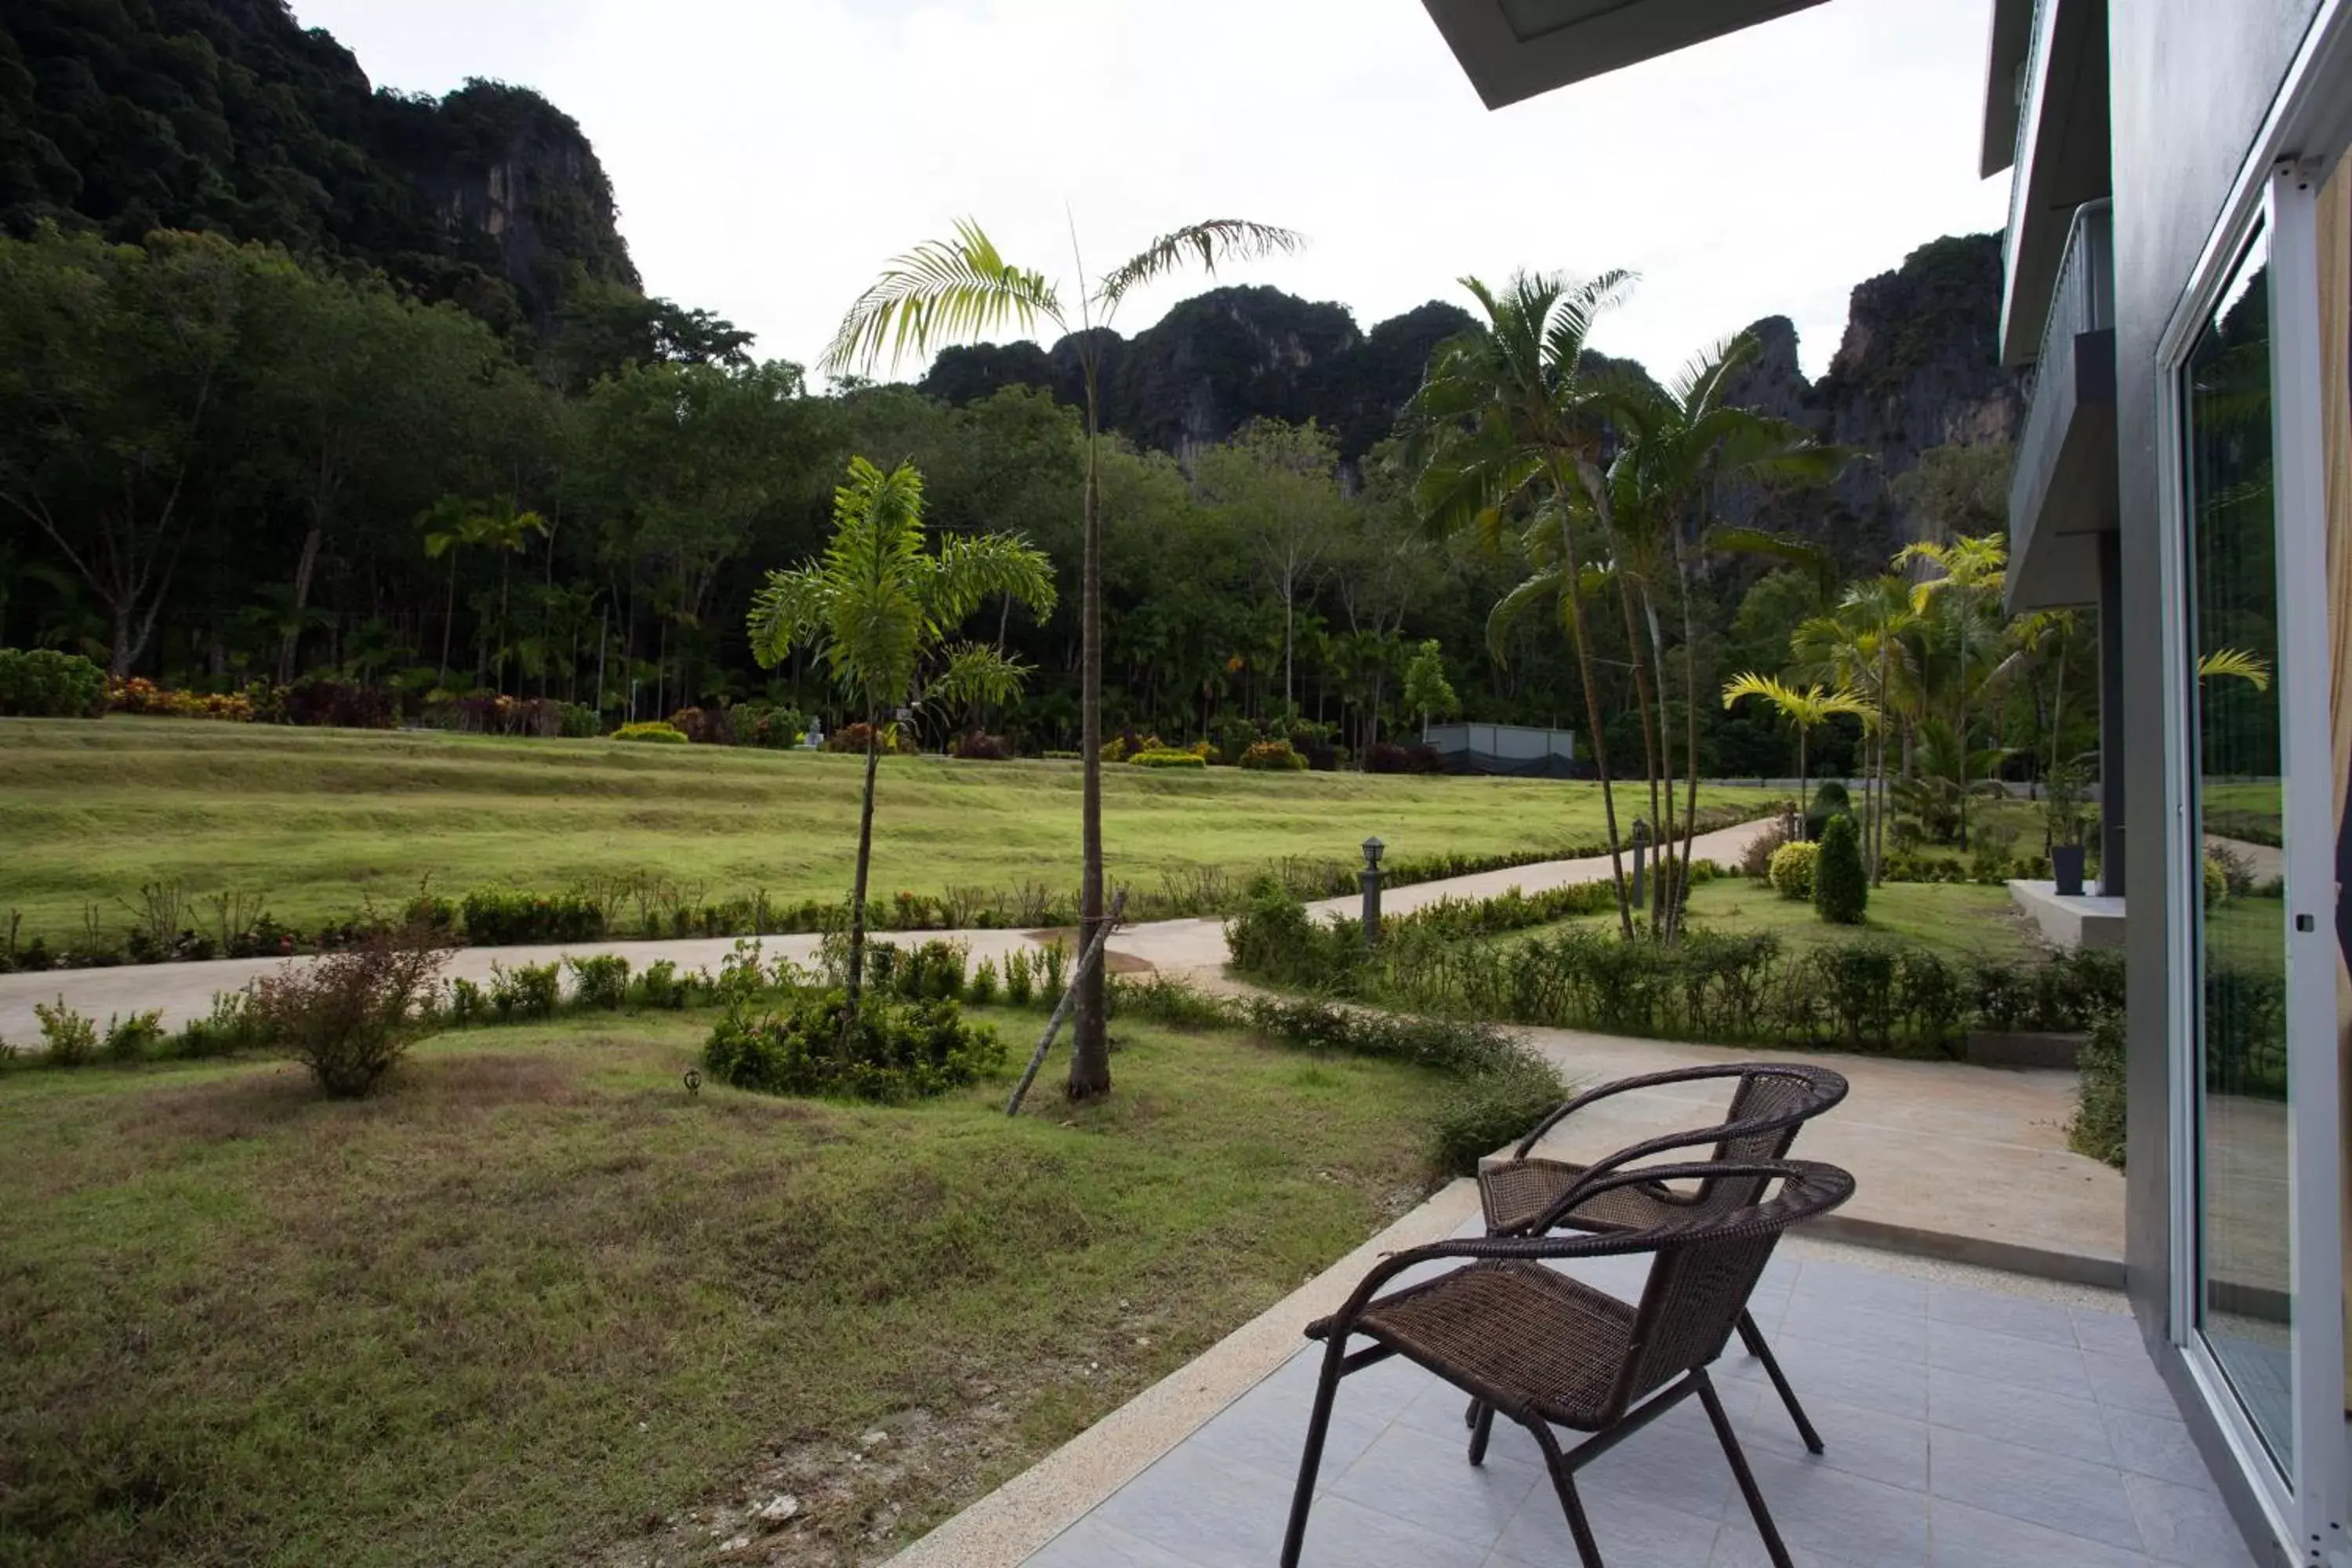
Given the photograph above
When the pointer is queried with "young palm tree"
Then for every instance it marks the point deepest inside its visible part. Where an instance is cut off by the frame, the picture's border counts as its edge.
(1860, 648)
(452, 524)
(950, 290)
(880, 611)
(1806, 710)
(1973, 567)
(1680, 443)
(1511, 425)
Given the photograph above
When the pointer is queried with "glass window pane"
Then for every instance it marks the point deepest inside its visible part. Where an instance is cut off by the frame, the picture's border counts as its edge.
(2243, 1285)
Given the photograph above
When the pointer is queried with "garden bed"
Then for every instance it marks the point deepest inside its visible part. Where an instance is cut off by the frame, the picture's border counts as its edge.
(536, 1302)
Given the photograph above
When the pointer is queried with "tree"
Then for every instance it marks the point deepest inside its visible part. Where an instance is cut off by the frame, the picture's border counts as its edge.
(1861, 647)
(1511, 425)
(453, 525)
(1971, 569)
(950, 290)
(1426, 691)
(1841, 889)
(1279, 484)
(1805, 711)
(880, 611)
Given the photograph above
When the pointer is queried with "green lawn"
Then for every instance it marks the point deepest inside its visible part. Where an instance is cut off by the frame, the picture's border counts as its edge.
(1957, 920)
(320, 820)
(534, 1300)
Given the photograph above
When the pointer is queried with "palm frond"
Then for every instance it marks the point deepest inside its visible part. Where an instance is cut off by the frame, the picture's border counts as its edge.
(1210, 244)
(975, 672)
(2235, 664)
(941, 291)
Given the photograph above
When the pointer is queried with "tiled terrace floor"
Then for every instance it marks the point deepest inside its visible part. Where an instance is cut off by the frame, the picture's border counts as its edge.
(1964, 1427)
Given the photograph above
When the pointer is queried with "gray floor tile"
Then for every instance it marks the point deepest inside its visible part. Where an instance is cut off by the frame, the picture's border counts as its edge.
(2065, 1495)
(1829, 1321)
(2187, 1525)
(2047, 1423)
(2005, 1358)
(2157, 1445)
(1091, 1543)
(2113, 1333)
(1822, 1509)
(2026, 1319)
(1341, 1533)
(1861, 1287)
(1631, 1533)
(1681, 1470)
(1886, 1384)
(1266, 1427)
(1737, 1546)
(2128, 1383)
(1965, 1537)
(1429, 1481)
(1211, 1511)
(1867, 1442)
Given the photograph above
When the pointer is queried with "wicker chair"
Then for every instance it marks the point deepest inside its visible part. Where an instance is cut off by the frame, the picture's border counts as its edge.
(1548, 1351)
(1770, 1104)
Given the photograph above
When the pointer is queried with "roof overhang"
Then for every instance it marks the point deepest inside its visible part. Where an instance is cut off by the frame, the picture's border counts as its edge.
(1514, 50)
(2012, 40)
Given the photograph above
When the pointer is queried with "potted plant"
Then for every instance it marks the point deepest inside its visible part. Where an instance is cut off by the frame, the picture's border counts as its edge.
(2061, 809)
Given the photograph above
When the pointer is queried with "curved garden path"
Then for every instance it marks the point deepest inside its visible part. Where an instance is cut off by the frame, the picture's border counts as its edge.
(185, 991)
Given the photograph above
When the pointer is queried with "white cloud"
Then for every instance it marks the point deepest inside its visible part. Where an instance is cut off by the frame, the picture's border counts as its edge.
(770, 154)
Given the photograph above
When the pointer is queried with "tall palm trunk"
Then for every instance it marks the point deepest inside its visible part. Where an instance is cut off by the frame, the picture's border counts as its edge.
(858, 888)
(1581, 636)
(1690, 738)
(1661, 902)
(1090, 1043)
(1649, 719)
(449, 615)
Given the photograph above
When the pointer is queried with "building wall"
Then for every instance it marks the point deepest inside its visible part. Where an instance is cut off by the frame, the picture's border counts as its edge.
(2191, 83)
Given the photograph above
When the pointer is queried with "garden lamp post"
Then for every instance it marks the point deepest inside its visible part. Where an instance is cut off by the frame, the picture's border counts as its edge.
(1640, 855)
(1369, 879)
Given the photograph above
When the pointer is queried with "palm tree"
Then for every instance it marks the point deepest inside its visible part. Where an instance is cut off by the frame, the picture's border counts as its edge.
(949, 290)
(1973, 567)
(1860, 648)
(879, 610)
(1806, 710)
(1680, 443)
(1510, 424)
(451, 524)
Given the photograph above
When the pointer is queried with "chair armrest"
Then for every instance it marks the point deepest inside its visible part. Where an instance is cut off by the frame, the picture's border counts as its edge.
(1623, 1085)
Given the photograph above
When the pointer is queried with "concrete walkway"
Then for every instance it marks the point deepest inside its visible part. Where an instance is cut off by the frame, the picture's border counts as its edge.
(185, 991)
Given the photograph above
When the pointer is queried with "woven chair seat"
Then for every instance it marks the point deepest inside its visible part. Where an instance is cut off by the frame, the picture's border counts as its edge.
(1526, 1339)
(1516, 1192)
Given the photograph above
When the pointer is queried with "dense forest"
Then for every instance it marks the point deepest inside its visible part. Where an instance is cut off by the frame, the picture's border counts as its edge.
(299, 377)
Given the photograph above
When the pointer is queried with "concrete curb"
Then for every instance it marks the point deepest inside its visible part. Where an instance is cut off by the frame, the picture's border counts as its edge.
(1011, 1523)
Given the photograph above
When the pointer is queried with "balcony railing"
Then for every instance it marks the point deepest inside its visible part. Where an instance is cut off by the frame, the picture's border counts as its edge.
(2085, 300)
(2030, 91)
(2064, 478)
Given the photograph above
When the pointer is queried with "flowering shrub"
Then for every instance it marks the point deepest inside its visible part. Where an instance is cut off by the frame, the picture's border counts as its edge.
(651, 729)
(339, 704)
(978, 746)
(1274, 756)
(139, 695)
(853, 738)
(42, 683)
(493, 713)
(705, 726)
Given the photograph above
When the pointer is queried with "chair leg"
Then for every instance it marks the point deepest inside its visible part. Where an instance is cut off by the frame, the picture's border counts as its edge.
(1753, 1337)
(1773, 1547)
(1311, 1461)
(1563, 1481)
(1482, 1427)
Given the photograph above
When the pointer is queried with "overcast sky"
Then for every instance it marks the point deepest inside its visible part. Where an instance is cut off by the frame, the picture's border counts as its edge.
(769, 155)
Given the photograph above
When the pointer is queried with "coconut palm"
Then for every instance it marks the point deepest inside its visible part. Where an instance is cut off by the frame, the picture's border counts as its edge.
(881, 611)
(1511, 425)
(1806, 709)
(1972, 570)
(1681, 442)
(951, 291)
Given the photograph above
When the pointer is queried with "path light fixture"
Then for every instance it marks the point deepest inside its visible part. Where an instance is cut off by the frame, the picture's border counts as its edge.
(1369, 879)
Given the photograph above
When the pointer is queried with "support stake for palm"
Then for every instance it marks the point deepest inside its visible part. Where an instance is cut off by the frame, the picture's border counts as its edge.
(880, 611)
(955, 291)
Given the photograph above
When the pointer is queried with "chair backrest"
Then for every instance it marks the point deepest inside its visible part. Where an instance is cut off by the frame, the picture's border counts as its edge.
(1706, 1267)
(1784, 1097)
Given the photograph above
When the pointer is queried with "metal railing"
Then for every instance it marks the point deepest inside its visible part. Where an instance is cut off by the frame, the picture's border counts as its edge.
(2085, 297)
(2029, 92)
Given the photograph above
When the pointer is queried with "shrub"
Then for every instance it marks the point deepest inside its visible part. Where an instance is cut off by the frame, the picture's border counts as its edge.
(851, 738)
(1491, 1107)
(2098, 1126)
(1830, 799)
(1790, 871)
(526, 991)
(890, 1052)
(2217, 883)
(978, 746)
(1841, 886)
(1929, 996)
(766, 724)
(1170, 1000)
(469, 1003)
(137, 695)
(654, 730)
(981, 989)
(502, 917)
(1054, 972)
(226, 1029)
(1020, 977)
(42, 683)
(70, 1038)
(350, 1016)
(705, 726)
(932, 973)
(1856, 987)
(1389, 757)
(601, 981)
(1168, 758)
(1274, 756)
(1756, 860)
(340, 704)
(130, 1038)
(661, 986)
(1273, 938)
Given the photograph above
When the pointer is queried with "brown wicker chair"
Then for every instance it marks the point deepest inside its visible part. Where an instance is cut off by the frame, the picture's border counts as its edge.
(1548, 1350)
(1770, 1104)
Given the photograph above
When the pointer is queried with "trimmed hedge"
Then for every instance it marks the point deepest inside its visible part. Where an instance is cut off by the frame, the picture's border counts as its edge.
(654, 730)
(42, 683)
